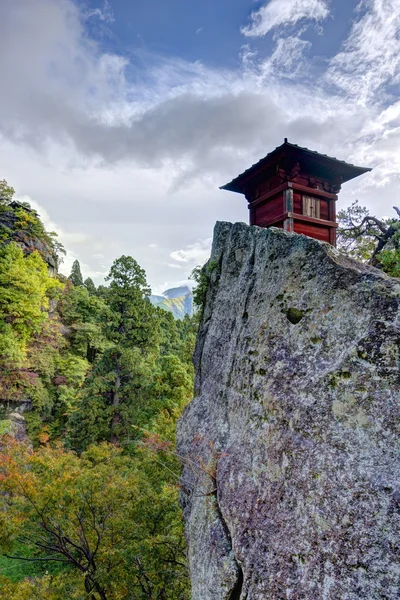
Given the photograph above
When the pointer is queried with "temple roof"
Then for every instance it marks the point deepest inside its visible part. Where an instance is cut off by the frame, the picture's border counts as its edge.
(319, 164)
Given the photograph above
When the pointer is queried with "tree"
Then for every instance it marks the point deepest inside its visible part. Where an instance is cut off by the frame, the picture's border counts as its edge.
(85, 316)
(133, 325)
(112, 526)
(89, 285)
(6, 192)
(76, 275)
(369, 239)
(134, 322)
(25, 287)
(116, 394)
(117, 388)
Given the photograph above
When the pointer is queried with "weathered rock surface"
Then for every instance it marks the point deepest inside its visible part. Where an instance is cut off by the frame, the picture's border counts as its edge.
(14, 425)
(291, 488)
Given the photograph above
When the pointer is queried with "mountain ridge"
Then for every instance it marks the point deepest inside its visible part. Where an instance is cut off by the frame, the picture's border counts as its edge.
(178, 301)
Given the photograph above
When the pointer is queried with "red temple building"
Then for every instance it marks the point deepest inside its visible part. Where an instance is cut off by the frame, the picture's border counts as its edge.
(295, 189)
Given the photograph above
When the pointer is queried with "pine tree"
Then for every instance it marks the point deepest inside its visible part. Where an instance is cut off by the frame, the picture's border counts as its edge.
(127, 296)
(116, 394)
(89, 285)
(76, 275)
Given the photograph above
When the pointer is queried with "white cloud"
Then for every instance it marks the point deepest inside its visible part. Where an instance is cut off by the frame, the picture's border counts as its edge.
(134, 168)
(279, 13)
(69, 240)
(105, 14)
(194, 254)
(74, 237)
(370, 58)
(288, 57)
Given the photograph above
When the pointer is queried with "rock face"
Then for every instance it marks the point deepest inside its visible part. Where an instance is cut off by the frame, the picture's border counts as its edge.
(28, 242)
(14, 425)
(291, 485)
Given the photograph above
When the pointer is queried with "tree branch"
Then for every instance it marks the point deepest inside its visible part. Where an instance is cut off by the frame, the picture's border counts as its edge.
(36, 559)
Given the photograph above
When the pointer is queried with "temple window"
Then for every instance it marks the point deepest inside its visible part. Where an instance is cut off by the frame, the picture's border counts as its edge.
(311, 207)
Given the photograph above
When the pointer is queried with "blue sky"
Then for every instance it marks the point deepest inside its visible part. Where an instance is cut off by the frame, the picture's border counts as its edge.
(119, 120)
(208, 31)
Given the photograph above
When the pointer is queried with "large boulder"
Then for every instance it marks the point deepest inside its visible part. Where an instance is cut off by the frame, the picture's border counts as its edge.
(291, 483)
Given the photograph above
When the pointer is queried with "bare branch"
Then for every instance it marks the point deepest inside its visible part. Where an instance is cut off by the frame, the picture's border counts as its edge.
(397, 210)
(377, 222)
(35, 559)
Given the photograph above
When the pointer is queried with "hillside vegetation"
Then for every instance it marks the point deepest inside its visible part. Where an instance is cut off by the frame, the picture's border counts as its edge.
(88, 503)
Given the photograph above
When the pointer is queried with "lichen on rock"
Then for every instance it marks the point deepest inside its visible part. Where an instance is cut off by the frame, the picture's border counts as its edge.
(297, 403)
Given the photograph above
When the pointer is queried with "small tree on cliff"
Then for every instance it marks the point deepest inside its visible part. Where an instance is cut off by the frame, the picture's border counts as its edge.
(369, 239)
(76, 275)
(6, 192)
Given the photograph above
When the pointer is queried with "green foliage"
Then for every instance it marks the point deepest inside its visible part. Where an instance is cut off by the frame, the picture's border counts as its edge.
(102, 514)
(124, 393)
(18, 222)
(25, 317)
(12, 350)
(202, 276)
(31, 226)
(89, 285)
(95, 365)
(16, 571)
(24, 290)
(5, 427)
(369, 239)
(178, 337)
(390, 261)
(133, 321)
(30, 587)
(85, 316)
(25, 287)
(76, 275)
(115, 394)
(351, 235)
(6, 192)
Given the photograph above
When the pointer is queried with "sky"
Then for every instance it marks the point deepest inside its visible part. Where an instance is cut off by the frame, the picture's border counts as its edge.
(120, 119)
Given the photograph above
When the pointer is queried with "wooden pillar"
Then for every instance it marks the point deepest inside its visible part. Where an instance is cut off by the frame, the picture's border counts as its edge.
(288, 224)
(252, 215)
(332, 217)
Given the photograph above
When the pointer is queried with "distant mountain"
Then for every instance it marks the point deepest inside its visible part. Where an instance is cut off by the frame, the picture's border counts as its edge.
(178, 300)
(177, 292)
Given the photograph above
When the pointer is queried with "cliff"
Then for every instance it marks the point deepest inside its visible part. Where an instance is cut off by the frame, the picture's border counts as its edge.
(291, 484)
(22, 225)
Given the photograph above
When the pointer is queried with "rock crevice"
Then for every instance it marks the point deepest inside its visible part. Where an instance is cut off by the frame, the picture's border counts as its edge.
(297, 393)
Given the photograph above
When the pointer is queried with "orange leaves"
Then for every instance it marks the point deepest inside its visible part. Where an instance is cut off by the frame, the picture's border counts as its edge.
(44, 436)
(154, 442)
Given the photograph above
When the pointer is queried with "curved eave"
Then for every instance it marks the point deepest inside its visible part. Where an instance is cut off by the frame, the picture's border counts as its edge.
(345, 170)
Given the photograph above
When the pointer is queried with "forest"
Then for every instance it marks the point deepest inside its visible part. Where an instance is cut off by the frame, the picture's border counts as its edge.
(92, 383)
(88, 503)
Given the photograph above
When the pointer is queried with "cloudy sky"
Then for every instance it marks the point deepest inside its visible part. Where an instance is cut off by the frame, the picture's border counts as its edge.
(119, 120)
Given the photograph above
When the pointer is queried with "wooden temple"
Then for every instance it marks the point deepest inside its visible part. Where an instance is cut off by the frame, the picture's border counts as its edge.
(295, 189)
